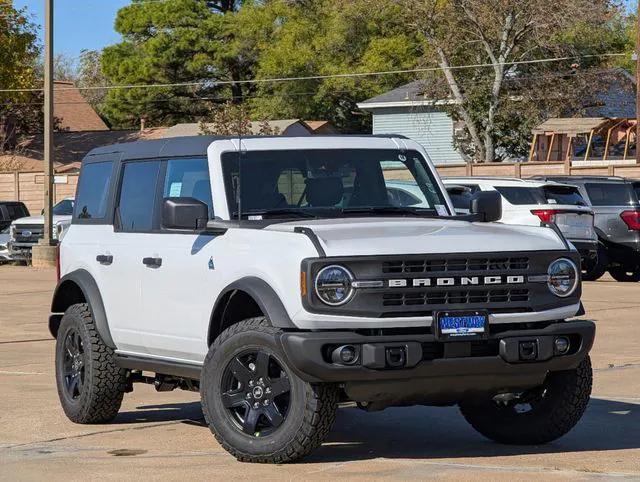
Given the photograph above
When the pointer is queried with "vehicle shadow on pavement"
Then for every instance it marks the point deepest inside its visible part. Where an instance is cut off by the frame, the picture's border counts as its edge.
(431, 432)
(168, 412)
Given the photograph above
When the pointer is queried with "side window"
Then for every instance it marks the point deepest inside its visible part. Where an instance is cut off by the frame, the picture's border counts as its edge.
(189, 178)
(138, 195)
(93, 190)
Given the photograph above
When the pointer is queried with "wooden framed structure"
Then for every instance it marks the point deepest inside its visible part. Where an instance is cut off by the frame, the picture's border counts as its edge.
(584, 139)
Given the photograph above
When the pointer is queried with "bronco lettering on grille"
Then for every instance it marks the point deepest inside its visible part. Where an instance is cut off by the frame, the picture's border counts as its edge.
(456, 281)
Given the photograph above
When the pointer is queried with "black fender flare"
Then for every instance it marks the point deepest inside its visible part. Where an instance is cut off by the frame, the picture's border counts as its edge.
(87, 284)
(263, 294)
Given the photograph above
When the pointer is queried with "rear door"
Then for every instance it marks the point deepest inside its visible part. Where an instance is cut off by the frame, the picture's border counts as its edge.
(123, 250)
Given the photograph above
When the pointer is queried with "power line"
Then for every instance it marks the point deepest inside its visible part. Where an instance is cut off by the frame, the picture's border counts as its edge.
(207, 83)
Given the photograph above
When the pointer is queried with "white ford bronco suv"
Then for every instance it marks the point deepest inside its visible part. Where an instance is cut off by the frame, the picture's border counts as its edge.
(278, 277)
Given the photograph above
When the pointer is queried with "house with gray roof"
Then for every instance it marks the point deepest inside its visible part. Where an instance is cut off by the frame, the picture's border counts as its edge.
(406, 111)
(285, 127)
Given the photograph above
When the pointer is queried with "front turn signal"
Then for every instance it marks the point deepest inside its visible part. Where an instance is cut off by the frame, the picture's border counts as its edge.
(303, 283)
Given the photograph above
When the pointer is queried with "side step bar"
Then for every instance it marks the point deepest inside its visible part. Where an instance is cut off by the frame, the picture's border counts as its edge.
(164, 367)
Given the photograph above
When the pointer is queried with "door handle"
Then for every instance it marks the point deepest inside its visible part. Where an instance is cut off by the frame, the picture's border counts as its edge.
(152, 262)
(104, 259)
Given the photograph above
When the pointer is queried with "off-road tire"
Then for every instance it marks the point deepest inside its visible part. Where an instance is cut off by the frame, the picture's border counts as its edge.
(597, 269)
(624, 274)
(566, 399)
(310, 415)
(104, 382)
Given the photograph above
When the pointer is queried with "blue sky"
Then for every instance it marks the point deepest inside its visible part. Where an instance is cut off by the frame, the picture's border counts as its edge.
(78, 24)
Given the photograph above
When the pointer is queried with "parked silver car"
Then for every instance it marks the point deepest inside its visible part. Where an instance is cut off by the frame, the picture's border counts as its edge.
(617, 221)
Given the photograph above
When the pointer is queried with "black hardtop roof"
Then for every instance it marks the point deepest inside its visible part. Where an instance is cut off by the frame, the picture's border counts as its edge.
(183, 146)
(167, 147)
(584, 178)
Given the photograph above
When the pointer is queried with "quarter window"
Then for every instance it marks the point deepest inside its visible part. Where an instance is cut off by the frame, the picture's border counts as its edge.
(93, 191)
(136, 205)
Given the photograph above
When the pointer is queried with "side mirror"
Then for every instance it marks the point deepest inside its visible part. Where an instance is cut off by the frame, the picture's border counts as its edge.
(184, 213)
(487, 206)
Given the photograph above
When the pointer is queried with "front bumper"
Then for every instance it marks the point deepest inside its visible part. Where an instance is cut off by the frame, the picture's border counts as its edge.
(20, 251)
(435, 372)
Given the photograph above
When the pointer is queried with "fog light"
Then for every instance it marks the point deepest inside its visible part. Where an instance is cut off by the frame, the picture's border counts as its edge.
(562, 345)
(345, 355)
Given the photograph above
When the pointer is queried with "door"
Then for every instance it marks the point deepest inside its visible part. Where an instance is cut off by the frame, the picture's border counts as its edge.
(123, 250)
(177, 295)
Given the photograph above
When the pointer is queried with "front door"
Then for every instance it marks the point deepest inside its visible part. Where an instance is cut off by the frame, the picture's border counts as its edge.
(174, 293)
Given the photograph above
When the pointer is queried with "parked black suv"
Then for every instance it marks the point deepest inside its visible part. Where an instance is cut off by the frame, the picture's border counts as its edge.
(617, 220)
(11, 210)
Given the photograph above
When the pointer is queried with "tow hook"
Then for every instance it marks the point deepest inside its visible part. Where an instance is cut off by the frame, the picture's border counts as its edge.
(396, 357)
(528, 350)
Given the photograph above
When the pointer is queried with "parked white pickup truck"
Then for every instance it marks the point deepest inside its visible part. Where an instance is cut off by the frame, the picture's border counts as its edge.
(25, 232)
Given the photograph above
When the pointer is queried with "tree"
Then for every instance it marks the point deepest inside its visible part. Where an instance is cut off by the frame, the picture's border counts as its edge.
(327, 37)
(91, 75)
(502, 34)
(175, 41)
(19, 110)
(232, 119)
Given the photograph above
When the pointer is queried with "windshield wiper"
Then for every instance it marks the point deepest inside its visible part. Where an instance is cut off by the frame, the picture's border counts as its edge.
(279, 212)
(390, 210)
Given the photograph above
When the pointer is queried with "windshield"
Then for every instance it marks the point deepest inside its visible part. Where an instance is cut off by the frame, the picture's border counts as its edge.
(331, 183)
(63, 208)
(566, 195)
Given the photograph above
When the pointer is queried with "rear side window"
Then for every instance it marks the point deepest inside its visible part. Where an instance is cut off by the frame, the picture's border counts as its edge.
(610, 194)
(138, 196)
(93, 191)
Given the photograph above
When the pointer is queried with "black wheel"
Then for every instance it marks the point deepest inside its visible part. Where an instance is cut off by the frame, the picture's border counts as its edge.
(625, 274)
(596, 269)
(537, 416)
(255, 405)
(90, 384)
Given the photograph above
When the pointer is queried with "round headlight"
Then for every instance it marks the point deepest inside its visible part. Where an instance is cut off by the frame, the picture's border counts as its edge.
(563, 277)
(333, 285)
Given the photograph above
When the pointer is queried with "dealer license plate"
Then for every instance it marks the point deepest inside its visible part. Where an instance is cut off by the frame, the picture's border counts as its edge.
(452, 325)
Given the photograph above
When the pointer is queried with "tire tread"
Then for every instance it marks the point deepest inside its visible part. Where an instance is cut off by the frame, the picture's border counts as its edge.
(319, 413)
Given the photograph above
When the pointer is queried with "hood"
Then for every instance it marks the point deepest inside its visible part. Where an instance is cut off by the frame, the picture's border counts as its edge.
(39, 220)
(388, 236)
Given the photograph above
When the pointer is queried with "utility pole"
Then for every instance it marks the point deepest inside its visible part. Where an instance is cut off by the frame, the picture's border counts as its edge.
(44, 254)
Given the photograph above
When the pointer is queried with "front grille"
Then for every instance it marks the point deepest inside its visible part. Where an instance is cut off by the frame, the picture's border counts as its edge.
(423, 284)
(455, 264)
(36, 230)
(455, 297)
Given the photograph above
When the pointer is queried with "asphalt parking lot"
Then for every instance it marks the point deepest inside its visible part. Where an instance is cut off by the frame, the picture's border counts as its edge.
(163, 436)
